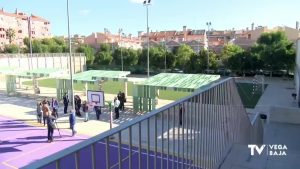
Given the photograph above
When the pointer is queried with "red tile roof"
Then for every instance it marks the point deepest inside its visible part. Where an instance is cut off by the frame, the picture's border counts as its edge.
(37, 18)
(22, 15)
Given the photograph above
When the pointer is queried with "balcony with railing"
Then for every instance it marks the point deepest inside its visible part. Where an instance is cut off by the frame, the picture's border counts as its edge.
(199, 131)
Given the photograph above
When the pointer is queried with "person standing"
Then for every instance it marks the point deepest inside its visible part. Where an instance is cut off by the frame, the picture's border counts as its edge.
(180, 115)
(77, 105)
(97, 110)
(66, 102)
(39, 112)
(124, 100)
(50, 127)
(54, 105)
(121, 98)
(85, 110)
(72, 120)
(116, 105)
(46, 111)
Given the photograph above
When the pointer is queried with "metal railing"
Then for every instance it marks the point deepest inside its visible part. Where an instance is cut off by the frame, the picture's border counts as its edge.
(194, 132)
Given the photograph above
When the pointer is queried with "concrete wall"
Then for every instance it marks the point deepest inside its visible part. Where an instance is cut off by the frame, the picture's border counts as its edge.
(43, 60)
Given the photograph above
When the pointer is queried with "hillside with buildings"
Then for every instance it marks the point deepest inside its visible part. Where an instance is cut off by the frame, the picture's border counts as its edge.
(23, 25)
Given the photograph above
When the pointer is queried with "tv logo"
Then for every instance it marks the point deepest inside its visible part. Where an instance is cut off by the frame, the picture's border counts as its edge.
(258, 149)
(271, 150)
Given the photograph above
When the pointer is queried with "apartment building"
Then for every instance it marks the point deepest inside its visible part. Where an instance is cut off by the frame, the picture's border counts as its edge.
(20, 23)
(196, 39)
(116, 40)
(246, 38)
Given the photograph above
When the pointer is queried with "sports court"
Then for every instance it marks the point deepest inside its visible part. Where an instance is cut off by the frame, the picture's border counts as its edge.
(22, 144)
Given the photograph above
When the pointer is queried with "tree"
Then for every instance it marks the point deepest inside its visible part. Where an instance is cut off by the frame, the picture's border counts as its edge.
(157, 57)
(55, 48)
(131, 58)
(104, 55)
(198, 62)
(88, 52)
(59, 41)
(48, 42)
(276, 51)
(10, 34)
(171, 60)
(52, 45)
(183, 55)
(195, 63)
(117, 56)
(229, 51)
(11, 48)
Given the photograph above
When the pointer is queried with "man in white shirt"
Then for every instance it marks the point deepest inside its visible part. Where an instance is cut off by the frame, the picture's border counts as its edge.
(116, 105)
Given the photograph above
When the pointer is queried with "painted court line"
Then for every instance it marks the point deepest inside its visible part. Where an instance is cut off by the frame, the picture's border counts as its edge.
(23, 153)
(10, 166)
(26, 153)
(142, 153)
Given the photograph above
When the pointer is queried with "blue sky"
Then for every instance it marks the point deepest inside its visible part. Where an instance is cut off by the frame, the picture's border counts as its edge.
(89, 16)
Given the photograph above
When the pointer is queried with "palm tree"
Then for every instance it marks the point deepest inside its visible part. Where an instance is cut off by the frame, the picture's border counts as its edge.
(10, 34)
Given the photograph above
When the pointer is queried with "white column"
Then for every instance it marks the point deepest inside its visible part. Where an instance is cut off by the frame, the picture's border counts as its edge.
(86, 88)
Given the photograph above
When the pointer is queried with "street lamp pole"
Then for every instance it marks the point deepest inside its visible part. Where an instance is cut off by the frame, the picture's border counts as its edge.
(70, 57)
(30, 42)
(120, 32)
(147, 3)
(165, 51)
(208, 25)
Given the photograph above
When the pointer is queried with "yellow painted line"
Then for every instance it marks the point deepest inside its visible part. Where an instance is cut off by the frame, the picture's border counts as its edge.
(10, 166)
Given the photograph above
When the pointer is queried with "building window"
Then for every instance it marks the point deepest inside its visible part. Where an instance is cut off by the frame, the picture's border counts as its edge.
(2, 36)
(33, 32)
(1, 29)
(20, 31)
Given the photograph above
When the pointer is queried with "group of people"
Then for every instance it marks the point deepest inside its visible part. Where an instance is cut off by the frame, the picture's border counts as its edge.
(119, 102)
(47, 112)
(44, 112)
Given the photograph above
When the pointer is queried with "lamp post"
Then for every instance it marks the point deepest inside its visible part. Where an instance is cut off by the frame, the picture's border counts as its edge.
(30, 42)
(120, 33)
(70, 57)
(147, 3)
(165, 51)
(208, 25)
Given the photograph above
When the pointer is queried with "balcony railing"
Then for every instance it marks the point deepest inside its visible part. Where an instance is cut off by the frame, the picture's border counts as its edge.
(194, 132)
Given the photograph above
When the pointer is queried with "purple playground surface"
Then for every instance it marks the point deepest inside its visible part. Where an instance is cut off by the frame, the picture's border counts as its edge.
(85, 161)
(22, 144)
